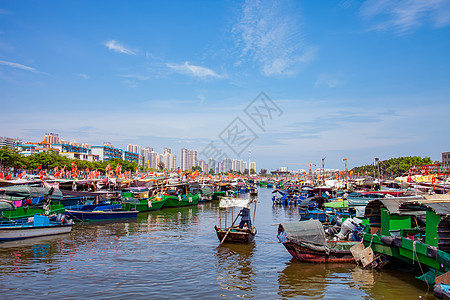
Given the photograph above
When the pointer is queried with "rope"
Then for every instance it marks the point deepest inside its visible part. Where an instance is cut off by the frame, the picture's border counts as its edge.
(418, 261)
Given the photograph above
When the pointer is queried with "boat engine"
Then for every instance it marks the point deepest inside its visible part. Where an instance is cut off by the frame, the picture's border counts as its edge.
(348, 226)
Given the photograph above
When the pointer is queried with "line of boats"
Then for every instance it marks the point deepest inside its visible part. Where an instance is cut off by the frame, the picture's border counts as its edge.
(31, 211)
(372, 228)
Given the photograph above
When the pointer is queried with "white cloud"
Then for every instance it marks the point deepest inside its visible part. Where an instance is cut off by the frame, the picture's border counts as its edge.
(135, 76)
(268, 33)
(328, 80)
(83, 76)
(115, 46)
(196, 71)
(403, 16)
(17, 66)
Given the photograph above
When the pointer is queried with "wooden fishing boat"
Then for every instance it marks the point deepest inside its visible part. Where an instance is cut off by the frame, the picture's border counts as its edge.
(99, 212)
(236, 233)
(305, 241)
(143, 204)
(179, 195)
(138, 199)
(36, 226)
(29, 201)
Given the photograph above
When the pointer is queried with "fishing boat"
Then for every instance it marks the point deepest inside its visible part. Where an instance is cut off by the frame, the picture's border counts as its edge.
(99, 212)
(236, 233)
(36, 226)
(306, 241)
(179, 195)
(29, 201)
(139, 199)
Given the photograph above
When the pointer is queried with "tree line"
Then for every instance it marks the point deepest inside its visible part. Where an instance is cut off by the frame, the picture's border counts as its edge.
(393, 167)
(11, 158)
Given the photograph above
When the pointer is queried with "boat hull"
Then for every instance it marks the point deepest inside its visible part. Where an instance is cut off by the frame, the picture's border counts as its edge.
(308, 255)
(18, 232)
(87, 216)
(144, 205)
(174, 201)
(235, 235)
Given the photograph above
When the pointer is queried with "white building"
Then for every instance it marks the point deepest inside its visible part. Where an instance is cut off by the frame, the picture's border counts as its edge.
(188, 159)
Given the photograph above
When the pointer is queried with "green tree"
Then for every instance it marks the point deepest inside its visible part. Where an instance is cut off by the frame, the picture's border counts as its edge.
(11, 158)
(211, 171)
(196, 168)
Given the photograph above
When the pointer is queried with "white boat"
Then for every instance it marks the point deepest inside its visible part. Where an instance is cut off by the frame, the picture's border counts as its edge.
(34, 227)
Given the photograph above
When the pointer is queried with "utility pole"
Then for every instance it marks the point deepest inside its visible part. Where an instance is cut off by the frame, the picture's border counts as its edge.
(323, 170)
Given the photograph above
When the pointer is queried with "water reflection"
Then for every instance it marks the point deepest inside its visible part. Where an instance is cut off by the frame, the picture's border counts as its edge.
(312, 281)
(234, 267)
(20, 256)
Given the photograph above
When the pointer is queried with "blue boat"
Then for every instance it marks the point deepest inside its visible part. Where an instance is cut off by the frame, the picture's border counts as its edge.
(99, 212)
(36, 226)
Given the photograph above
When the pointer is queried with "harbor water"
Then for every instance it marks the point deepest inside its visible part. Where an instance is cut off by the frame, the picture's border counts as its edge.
(174, 254)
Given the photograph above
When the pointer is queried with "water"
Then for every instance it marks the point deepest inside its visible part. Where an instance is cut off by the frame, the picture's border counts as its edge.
(173, 253)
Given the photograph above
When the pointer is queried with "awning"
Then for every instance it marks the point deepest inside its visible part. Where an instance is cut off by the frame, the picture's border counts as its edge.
(226, 202)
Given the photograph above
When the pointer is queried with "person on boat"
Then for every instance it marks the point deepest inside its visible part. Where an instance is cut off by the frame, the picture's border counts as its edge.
(245, 218)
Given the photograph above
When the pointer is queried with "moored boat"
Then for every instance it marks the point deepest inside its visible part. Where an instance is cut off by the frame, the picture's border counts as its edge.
(36, 226)
(102, 212)
(306, 241)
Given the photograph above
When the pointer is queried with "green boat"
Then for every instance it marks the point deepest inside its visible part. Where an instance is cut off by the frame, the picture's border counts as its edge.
(218, 194)
(140, 199)
(29, 201)
(411, 230)
(30, 211)
(143, 204)
(180, 200)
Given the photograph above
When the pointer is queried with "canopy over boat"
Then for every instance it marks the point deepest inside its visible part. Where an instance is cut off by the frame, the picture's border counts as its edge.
(226, 202)
(309, 233)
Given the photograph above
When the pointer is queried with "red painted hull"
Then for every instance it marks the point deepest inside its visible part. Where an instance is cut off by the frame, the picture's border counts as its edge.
(307, 255)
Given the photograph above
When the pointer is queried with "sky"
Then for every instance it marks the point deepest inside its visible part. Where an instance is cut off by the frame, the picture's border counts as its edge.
(291, 81)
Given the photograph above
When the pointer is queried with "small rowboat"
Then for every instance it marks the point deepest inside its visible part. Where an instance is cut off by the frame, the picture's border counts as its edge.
(234, 233)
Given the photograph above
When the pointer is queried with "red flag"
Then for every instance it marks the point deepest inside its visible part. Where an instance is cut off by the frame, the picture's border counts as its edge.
(118, 169)
(2, 176)
(40, 167)
(108, 168)
(22, 174)
(8, 177)
(137, 169)
(55, 169)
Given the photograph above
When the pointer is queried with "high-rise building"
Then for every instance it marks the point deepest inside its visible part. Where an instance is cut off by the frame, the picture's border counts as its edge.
(253, 166)
(227, 166)
(188, 159)
(446, 157)
(169, 160)
(9, 142)
(134, 148)
(52, 138)
(212, 165)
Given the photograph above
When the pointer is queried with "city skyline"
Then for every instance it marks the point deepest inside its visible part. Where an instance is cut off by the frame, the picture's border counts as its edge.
(362, 79)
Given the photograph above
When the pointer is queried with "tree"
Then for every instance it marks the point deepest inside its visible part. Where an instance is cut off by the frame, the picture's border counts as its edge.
(196, 168)
(263, 172)
(211, 171)
(252, 171)
(11, 158)
(161, 165)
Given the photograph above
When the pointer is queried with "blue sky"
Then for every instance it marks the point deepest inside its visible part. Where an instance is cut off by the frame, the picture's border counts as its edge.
(359, 79)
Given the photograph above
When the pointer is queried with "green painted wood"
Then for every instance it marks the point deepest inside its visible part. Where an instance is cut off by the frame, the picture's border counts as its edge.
(174, 201)
(433, 220)
(143, 205)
